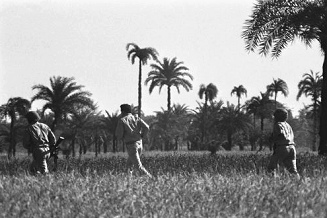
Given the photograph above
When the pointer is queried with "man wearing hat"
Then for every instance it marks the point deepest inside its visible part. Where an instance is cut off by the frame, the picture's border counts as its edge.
(132, 129)
(284, 146)
(38, 139)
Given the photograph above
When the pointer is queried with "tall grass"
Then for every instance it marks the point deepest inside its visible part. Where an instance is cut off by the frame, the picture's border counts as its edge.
(187, 185)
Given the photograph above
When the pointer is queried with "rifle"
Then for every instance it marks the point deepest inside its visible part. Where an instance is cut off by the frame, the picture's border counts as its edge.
(54, 152)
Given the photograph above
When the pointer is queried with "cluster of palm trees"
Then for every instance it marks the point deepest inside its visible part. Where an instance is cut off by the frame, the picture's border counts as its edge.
(169, 72)
(275, 24)
(271, 27)
(212, 124)
(64, 98)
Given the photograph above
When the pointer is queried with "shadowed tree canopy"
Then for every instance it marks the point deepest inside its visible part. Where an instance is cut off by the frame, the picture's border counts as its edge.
(239, 91)
(15, 106)
(63, 97)
(209, 92)
(311, 85)
(274, 24)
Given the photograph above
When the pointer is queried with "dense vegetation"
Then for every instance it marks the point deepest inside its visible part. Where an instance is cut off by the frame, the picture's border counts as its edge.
(187, 184)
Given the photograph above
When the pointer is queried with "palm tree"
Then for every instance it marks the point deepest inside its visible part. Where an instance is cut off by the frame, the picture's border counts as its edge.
(262, 107)
(239, 91)
(276, 86)
(62, 98)
(182, 115)
(231, 121)
(252, 107)
(210, 93)
(4, 136)
(76, 126)
(162, 131)
(143, 54)
(169, 73)
(310, 85)
(13, 107)
(275, 24)
(110, 123)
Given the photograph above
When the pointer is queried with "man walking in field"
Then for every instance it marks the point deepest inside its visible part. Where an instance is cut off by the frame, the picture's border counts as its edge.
(132, 129)
(283, 139)
(38, 139)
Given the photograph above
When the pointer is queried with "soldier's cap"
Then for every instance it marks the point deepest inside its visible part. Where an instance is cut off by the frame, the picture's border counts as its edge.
(32, 116)
(126, 108)
(281, 114)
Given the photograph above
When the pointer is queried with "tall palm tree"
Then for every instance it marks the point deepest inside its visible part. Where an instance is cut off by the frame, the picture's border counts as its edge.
(276, 86)
(63, 97)
(239, 91)
(14, 106)
(276, 23)
(310, 85)
(169, 73)
(210, 93)
(143, 54)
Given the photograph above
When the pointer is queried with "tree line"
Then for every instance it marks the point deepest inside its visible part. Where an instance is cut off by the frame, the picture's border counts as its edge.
(271, 27)
(71, 112)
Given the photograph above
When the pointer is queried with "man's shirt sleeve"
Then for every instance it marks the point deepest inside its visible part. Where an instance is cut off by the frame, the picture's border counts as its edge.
(51, 137)
(145, 128)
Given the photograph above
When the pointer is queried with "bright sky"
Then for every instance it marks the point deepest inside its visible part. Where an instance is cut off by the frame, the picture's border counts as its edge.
(87, 40)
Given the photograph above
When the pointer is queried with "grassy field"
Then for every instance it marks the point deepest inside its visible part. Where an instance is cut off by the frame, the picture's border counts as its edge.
(187, 184)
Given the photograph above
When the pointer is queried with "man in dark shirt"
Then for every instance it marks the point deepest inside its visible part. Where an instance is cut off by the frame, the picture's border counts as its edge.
(38, 139)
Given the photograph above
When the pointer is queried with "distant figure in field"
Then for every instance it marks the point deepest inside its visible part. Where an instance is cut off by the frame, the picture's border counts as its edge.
(284, 146)
(38, 138)
(132, 129)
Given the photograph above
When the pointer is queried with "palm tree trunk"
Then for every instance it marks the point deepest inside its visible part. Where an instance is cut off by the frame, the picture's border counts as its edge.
(314, 125)
(261, 135)
(322, 150)
(12, 138)
(275, 100)
(168, 98)
(204, 117)
(140, 89)
(229, 140)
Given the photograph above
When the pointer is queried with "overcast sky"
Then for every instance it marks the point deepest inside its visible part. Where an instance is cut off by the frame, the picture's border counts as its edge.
(87, 40)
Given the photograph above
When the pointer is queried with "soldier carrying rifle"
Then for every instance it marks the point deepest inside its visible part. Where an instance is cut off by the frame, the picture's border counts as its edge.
(38, 139)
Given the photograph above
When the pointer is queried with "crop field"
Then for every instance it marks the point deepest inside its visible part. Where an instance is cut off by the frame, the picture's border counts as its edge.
(186, 184)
